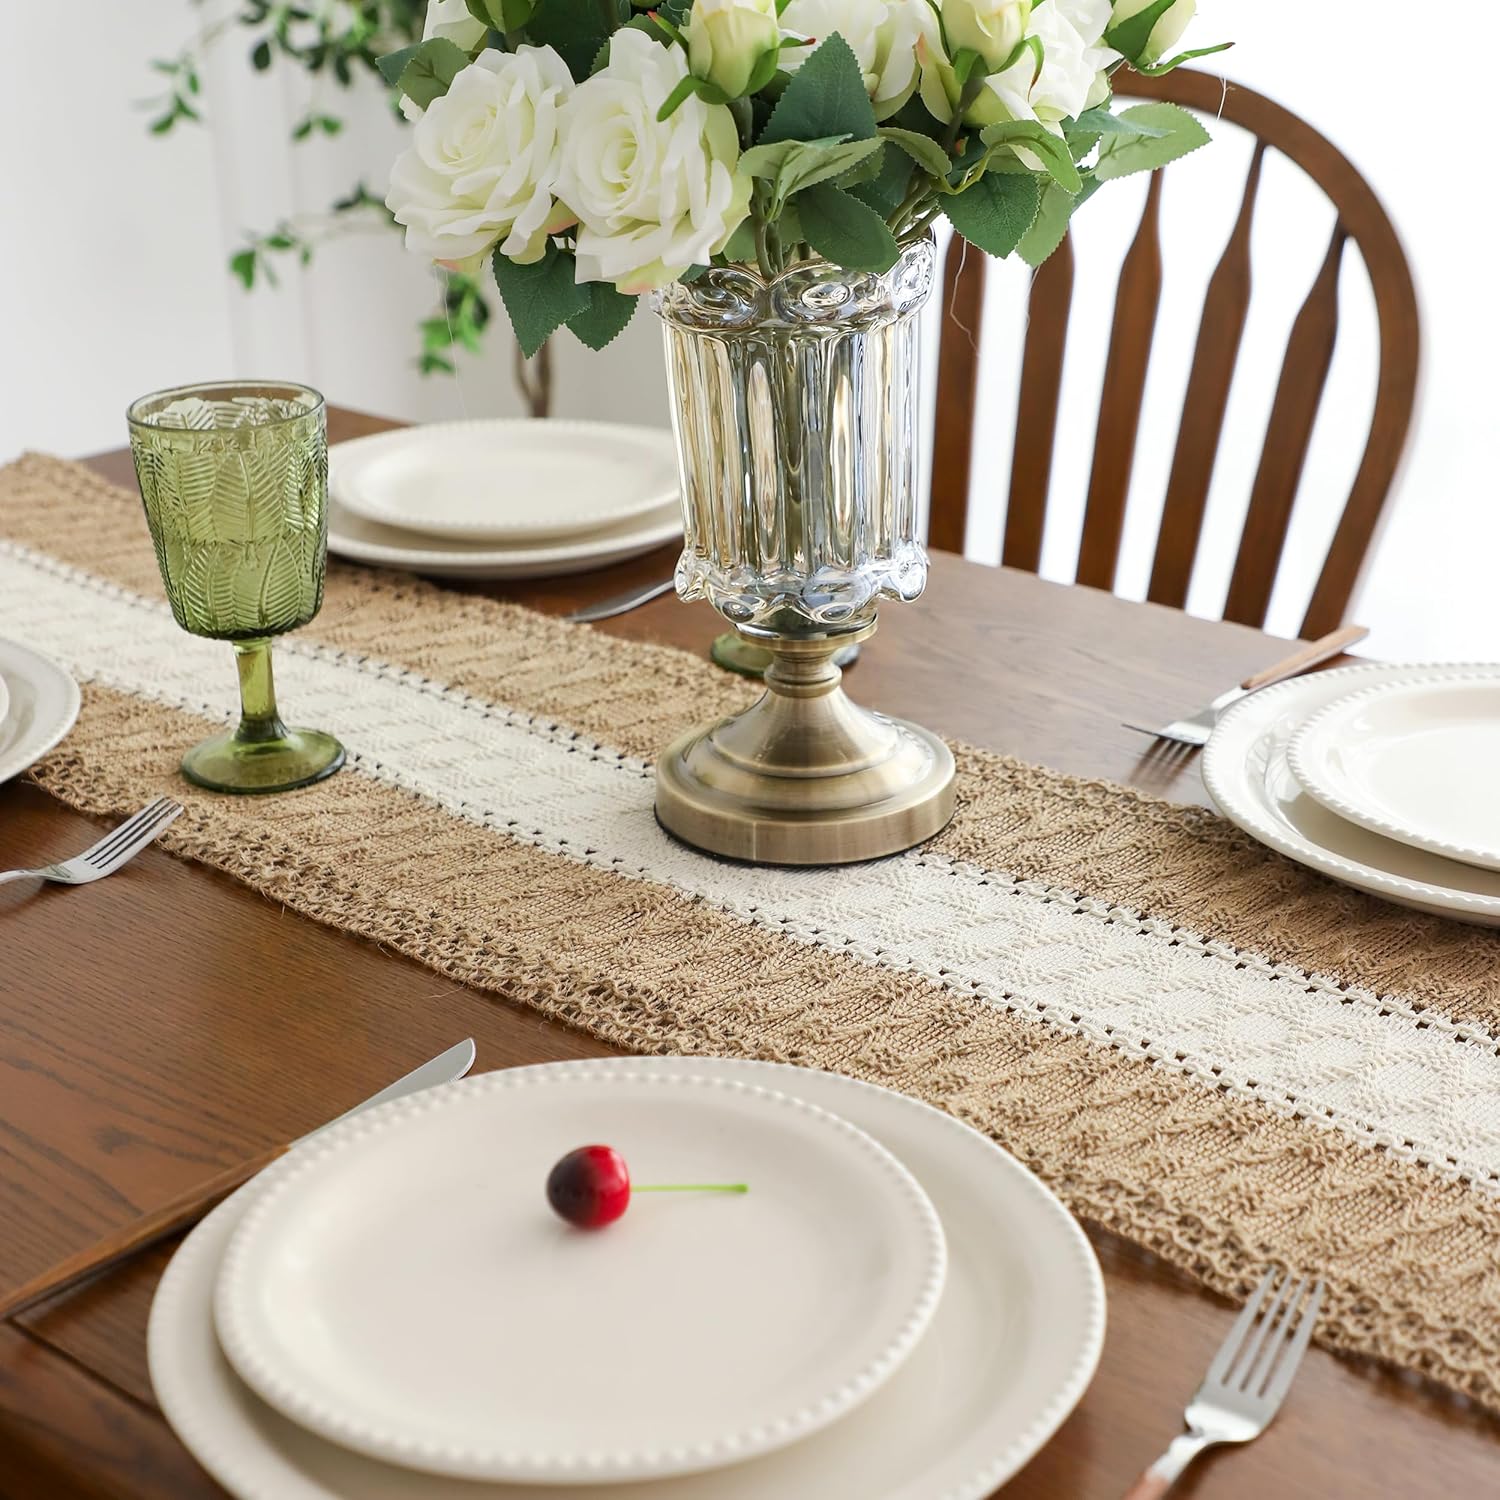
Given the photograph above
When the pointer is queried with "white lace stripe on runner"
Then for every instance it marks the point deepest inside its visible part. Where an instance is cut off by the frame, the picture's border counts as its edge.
(1375, 1068)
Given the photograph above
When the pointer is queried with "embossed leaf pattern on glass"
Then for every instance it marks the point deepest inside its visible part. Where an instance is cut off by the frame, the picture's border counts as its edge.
(236, 497)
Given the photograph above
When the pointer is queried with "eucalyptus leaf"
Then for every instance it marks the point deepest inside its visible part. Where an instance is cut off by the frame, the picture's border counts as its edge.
(1180, 133)
(921, 148)
(605, 317)
(846, 231)
(996, 212)
(541, 297)
(433, 66)
(824, 97)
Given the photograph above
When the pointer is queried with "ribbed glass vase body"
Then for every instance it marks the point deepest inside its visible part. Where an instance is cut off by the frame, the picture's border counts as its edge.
(795, 405)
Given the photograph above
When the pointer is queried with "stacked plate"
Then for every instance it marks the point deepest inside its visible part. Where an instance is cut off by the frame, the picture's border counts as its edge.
(1379, 776)
(895, 1310)
(499, 499)
(38, 704)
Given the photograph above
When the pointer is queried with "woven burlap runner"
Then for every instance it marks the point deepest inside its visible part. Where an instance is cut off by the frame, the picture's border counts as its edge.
(1196, 1043)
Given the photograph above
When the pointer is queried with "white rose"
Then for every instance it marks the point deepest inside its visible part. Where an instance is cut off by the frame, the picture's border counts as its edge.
(992, 28)
(483, 160)
(1165, 34)
(728, 38)
(451, 19)
(1073, 57)
(883, 35)
(651, 197)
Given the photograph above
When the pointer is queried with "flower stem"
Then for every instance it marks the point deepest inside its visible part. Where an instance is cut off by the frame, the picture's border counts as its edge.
(694, 1187)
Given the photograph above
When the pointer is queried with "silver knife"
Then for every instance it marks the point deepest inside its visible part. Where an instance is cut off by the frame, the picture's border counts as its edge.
(189, 1207)
(446, 1067)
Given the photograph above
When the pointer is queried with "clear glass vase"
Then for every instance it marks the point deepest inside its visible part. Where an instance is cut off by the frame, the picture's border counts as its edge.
(795, 405)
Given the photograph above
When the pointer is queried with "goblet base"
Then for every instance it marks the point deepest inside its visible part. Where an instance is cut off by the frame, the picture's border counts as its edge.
(249, 766)
(805, 777)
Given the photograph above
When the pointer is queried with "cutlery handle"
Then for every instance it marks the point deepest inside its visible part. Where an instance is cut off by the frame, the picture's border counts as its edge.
(1307, 656)
(1149, 1486)
(621, 604)
(183, 1210)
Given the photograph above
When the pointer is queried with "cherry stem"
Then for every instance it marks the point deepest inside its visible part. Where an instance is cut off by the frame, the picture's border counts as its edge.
(694, 1187)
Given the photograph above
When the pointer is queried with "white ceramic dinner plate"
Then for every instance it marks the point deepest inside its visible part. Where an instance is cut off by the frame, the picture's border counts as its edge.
(402, 1287)
(38, 704)
(505, 482)
(1246, 772)
(1414, 760)
(1010, 1351)
(365, 541)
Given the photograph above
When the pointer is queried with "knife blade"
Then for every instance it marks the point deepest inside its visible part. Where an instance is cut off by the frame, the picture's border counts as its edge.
(187, 1208)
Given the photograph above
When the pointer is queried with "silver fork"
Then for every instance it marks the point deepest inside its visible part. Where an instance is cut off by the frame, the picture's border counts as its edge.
(621, 604)
(1196, 729)
(1247, 1381)
(112, 851)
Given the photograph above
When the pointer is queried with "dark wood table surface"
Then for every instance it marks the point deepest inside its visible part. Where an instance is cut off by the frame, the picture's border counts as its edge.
(169, 1022)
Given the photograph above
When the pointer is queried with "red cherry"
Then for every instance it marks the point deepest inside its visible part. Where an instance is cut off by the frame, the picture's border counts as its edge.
(590, 1187)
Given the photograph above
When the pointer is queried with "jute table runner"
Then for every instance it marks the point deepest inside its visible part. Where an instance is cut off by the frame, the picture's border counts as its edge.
(1194, 1042)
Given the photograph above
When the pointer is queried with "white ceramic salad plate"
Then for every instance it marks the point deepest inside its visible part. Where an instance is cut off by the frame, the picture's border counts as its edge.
(1415, 760)
(38, 704)
(401, 1286)
(1011, 1349)
(1246, 772)
(506, 482)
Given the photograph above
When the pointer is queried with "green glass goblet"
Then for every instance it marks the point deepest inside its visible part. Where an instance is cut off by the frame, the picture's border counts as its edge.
(234, 477)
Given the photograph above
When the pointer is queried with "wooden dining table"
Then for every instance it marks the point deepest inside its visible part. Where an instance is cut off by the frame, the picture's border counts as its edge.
(166, 1023)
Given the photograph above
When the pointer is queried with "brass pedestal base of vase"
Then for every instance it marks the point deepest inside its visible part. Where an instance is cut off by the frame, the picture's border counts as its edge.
(805, 777)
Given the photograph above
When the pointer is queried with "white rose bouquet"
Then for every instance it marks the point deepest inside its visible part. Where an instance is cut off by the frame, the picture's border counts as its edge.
(593, 152)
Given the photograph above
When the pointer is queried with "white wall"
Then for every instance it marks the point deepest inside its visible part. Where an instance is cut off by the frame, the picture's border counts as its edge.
(112, 282)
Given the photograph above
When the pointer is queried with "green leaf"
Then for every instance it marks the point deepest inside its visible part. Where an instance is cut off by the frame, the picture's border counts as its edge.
(1051, 150)
(996, 211)
(1180, 133)
(1052, 220)
(921, 148)
(260, 58)
(825, 97)
(740, 247)
(243, 266)
(846, 231)
(393, 64)
(606, 316)
(867, 169)
(886, 190)
(1155, 70)
(540, 298)
(435, 64)
(576, 29)
(1102, 122)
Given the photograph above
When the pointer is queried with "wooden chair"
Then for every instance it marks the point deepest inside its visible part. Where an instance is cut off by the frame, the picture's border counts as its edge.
(1360, 219)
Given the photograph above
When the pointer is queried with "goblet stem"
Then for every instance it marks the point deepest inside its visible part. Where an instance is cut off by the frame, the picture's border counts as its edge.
(259, 720)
